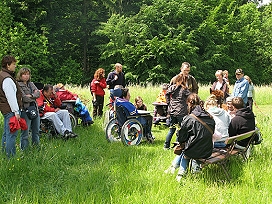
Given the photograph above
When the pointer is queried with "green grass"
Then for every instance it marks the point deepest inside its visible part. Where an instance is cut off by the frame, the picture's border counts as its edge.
(88, 169)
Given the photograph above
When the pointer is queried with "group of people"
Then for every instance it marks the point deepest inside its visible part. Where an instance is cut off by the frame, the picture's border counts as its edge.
(204, 125)
(17, 94)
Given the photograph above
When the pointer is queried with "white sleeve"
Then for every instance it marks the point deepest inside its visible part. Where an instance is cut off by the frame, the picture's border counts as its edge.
(10, 90)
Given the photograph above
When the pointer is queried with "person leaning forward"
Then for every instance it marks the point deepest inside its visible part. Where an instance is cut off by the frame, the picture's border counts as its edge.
(51, 104)
(191, 82)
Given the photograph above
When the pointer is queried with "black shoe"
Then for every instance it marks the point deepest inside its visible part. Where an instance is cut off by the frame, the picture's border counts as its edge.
(150, 138)
(72, 135)
(66, 135)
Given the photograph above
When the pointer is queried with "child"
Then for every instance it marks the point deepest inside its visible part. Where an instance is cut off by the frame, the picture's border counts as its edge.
(161, 110)
(139, 103)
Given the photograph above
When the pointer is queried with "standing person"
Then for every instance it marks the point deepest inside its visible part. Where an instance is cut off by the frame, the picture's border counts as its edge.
(241, 86)
(97, 87)
(191, 82)
(116, 78)
(250, 93)
(176, 96)
(10, 102)
(197, 138)
(220, 84)
(29, 95)
(51, 104)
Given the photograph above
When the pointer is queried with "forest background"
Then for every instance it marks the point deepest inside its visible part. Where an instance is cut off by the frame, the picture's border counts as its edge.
(66, 40)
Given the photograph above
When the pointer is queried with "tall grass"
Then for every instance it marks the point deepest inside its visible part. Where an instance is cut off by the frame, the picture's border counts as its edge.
(88, 169)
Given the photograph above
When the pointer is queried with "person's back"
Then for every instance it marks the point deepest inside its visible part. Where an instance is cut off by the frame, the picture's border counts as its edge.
(244, 120)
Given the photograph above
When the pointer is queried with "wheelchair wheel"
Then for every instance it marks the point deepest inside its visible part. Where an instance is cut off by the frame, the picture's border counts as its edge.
(112, 131)
(131, 132)
(73, 120)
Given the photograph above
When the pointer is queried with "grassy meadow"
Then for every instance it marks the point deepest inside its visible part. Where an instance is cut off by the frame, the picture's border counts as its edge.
(88, 169)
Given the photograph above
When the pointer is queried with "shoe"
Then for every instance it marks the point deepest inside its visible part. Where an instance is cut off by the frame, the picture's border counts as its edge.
(170, 170)
(72, 135)
(66, 135)
(180, 175)
(150, 138)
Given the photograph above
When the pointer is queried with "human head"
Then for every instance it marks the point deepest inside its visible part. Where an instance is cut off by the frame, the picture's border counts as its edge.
(9, 62)
(165, 86)
(248, 79)
(210, 102)
(192, 101)
(118, 67)
(226, 74)
(125, 93)
(185, 68)
(238, 102)
(48, 90)
(138, 101)
(239, 73)
(219, 75)
(99, 74)
(60, 86)
(181, 80)
(229, 103)
(24, 74)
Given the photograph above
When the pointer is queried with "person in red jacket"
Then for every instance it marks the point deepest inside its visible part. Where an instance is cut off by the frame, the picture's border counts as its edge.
(97, 87)
(51, 103)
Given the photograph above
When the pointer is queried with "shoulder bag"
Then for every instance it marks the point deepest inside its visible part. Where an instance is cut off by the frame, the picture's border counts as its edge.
(203, 123)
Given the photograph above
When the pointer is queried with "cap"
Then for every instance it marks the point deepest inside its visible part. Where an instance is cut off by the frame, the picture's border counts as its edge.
(239, 71)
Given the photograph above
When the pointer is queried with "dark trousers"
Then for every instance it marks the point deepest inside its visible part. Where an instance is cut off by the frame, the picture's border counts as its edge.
(98, 107)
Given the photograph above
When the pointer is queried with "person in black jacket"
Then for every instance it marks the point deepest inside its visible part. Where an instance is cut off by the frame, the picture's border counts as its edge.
(244, 120)
(176, 96)
(197, 138)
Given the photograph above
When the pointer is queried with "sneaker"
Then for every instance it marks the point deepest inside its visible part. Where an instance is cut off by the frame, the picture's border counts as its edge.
(72, 135)
(180, 175)
(170, 170)
(66, 135)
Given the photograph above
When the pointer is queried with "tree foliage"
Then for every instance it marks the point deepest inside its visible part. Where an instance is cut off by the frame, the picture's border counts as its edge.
(66, 41)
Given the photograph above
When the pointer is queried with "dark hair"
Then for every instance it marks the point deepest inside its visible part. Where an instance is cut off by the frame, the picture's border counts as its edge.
(7, 60)
(238, 102)
(124, 92)
(193, 100)
(47, 87)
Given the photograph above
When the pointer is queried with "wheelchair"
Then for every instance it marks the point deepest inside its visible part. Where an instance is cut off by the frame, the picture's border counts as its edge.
(48, 129)
(126, 128)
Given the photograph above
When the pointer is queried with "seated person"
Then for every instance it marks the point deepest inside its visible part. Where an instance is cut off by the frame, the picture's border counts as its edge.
(51, 103)
(63, 94)
(161, 110)
(244, 121)
(145, 120)
(196, 137)
(139, 103)
(222, 121)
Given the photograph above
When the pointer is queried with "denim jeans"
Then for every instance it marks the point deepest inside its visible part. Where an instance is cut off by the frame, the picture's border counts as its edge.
(8, 138)
(172, 129)
(219, 144)
(182, 162)
(34, 126)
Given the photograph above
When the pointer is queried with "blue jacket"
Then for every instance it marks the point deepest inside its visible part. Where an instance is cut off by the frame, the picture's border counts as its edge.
(241, 88)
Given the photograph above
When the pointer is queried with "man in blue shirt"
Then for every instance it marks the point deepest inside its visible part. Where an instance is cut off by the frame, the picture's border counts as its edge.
(241, 86)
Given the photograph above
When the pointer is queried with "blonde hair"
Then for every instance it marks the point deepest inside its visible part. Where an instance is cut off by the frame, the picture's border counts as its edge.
(22, 71)
(248, 79)
(211, 101)
(219, 72)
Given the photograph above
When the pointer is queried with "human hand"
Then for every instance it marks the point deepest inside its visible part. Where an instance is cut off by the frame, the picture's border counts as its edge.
(115, 77)
(96, 82)
(17, 116)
